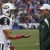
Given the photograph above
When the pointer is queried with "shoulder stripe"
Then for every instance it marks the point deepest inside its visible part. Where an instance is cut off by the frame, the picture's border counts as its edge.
(46, 21)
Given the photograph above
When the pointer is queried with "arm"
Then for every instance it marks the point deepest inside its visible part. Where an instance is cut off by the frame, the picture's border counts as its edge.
(10, 36)
(5, 22)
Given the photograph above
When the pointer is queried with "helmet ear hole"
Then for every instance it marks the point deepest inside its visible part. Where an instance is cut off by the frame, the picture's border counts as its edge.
(7, 12)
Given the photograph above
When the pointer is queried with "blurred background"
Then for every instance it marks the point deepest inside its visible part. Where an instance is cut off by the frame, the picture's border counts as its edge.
(26, 14)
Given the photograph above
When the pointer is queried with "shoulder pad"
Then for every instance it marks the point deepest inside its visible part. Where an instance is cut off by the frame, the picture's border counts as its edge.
(3, 16)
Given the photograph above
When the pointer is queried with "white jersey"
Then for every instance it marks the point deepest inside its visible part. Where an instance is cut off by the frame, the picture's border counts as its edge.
(4, 24)
(8, 41)
(3, 38)
(10, 26)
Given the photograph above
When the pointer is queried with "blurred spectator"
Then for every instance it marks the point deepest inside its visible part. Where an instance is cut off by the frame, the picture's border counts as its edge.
(9, 1)
(26, 10)
(0, 8)
(17, 20)
(1, 3)
(48, 1)
(43, 1)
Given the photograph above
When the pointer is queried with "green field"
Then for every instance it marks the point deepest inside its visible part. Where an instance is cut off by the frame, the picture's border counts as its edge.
(31, 43)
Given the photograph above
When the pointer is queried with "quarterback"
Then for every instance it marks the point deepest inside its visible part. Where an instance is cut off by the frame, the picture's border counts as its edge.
(5, 28)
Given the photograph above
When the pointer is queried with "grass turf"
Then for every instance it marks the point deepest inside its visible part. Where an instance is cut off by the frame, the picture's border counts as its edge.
(31, 43)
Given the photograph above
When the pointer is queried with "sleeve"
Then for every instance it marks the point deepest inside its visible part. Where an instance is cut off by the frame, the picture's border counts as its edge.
(47, 42)
(48, 18)
(5, 23)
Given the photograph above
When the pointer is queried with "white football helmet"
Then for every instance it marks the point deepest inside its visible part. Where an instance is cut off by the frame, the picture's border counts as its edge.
(7, 7)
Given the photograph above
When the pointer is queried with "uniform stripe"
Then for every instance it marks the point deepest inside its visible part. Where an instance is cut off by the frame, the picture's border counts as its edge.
(46, 21)
(2, 46)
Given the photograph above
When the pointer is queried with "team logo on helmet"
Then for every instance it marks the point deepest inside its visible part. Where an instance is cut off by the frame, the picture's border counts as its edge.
(6, 7)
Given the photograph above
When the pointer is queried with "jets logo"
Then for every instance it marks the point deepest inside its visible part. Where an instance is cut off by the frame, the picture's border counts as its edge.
(42, 26)
(5, 21)
(6, 7)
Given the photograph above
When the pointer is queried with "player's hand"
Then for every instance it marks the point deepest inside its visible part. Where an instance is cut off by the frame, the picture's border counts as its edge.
(12, 47)
(26, 36)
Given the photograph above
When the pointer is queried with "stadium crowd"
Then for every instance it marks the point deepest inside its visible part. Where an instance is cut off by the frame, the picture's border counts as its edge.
(26, 10)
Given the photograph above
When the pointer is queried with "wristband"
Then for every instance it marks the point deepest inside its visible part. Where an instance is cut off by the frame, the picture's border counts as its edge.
(18, 36)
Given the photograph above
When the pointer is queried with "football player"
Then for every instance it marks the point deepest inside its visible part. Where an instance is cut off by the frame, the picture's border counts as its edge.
(5, 32)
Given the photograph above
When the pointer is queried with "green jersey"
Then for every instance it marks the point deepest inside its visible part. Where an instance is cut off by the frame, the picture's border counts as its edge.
(44, 32)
